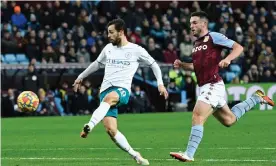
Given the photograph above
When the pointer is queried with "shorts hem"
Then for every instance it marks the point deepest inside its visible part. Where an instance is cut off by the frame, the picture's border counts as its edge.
(111, 116)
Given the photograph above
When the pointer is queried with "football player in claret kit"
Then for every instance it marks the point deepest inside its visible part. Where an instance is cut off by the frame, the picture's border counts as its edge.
(121, 60)
(206, 61)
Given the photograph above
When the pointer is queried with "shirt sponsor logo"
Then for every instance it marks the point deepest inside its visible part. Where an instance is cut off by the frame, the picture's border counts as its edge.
(117, 62)
(198, 48)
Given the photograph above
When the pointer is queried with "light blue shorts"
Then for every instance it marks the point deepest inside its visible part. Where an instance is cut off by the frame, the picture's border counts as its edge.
(123, 99)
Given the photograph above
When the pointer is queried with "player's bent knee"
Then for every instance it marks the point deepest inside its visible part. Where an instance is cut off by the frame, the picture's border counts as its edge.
(198, 119)
(229, 122)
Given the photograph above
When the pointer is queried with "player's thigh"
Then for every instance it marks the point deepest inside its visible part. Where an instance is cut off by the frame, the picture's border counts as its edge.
(112, 98)
(201, 112)
(110, 124)
(225, 116)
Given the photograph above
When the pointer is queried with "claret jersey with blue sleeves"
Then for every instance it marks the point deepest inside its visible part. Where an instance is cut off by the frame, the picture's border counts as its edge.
(206, 55)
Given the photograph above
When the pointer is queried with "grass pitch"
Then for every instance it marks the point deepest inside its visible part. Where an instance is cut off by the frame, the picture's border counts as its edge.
(51, 141)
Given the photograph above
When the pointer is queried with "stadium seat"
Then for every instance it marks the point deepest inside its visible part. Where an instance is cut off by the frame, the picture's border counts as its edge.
(230, 76)
(24, 63)
(3, 59)
(10, 58)
(236, 69)
(22, 58)
(14, 62)
(10, 72)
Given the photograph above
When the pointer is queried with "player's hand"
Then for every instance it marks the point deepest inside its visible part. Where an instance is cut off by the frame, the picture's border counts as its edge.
(224, 63)
(77, 84)
(163, 91)
(177, 63)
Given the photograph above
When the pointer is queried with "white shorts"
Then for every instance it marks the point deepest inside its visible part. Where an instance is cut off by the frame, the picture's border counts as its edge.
(213, 94)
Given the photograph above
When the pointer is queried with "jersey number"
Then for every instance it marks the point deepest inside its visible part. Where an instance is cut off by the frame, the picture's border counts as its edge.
(123, 93)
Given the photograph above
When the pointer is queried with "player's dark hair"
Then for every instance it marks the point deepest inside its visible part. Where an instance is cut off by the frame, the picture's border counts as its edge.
(119, 25)
(200, 14)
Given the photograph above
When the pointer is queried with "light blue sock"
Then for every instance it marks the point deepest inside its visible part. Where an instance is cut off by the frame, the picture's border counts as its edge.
(194, 140)
(240, 109)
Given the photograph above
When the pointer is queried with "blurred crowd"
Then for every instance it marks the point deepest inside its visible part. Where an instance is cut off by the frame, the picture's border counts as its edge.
(62, 101)
(75, 31)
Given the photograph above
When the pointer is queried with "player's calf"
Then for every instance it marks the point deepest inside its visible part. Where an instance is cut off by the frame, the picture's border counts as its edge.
(98, 115)
(122, 143)
(110, 124)
(111, 132)
(201, 112)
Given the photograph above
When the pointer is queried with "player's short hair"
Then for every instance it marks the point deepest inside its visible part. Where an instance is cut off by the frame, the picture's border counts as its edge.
(200, 14)
(119, 24)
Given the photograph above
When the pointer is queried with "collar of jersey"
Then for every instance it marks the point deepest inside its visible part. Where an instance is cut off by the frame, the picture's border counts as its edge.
(203, 36)
(124, 45)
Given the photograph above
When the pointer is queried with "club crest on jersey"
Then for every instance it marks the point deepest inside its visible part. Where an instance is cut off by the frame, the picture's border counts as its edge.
(128, 55)
(206, 38)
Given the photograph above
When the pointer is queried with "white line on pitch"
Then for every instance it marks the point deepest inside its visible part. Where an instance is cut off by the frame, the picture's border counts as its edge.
(219, 148)
(120, 159)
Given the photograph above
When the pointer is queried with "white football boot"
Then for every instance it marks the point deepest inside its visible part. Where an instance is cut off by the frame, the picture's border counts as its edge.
(181, 156)
(140, 160)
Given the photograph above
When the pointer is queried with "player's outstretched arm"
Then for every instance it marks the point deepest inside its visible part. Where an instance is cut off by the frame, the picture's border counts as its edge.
(158, 75)
(186, 66)
(90, 69)
(237, 50)
(94, 66)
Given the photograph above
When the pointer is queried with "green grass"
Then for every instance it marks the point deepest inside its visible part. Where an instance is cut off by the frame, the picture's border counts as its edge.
(54, 141)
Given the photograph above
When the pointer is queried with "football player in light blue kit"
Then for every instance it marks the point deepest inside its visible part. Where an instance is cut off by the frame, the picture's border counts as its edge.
(121, 59)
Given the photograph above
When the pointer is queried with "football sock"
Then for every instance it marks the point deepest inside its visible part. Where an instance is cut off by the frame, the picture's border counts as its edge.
(241, 108)
(98, 114)
(122, 143)
(194, 140)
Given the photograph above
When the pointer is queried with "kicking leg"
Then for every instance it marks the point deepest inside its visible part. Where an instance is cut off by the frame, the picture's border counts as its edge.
(110, 124)
(201, 112)
(225, 116)
(228, 117)
(110, 99)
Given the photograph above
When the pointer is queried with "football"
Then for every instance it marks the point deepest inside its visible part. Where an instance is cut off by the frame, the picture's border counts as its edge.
(27, 101)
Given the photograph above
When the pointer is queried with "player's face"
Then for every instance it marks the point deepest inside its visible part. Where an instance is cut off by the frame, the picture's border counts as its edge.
(196, 25)
(114, 36)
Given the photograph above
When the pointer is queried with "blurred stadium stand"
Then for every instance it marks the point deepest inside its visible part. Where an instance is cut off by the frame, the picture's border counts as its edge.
(59, 38)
